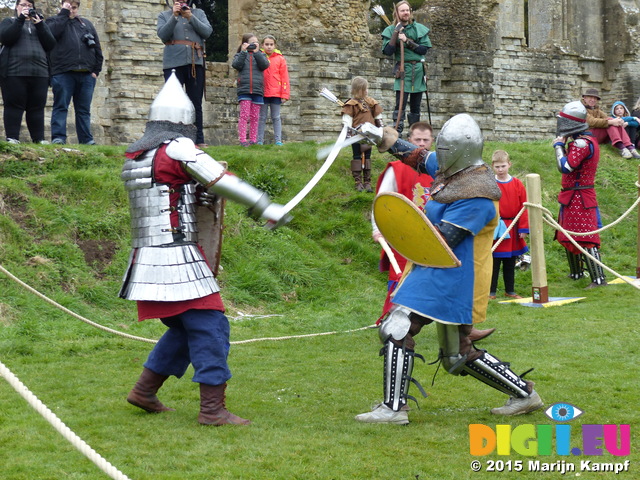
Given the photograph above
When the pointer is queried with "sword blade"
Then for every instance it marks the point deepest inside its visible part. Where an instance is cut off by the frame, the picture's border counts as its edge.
(320, 173)
(325, 151)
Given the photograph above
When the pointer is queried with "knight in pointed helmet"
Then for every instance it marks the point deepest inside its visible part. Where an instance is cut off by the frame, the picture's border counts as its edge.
(168, 275)
(463, 208)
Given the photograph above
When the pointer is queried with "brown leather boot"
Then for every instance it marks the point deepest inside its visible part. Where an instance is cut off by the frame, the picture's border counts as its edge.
(356, 171)
(367, 180)
(212, 407)
(477, 335)
(143, 394)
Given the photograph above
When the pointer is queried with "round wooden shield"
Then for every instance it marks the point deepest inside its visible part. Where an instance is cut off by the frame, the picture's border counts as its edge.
(410, 232)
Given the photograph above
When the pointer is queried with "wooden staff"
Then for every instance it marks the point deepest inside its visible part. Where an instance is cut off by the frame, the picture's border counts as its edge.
(401, 70)
(392, 258)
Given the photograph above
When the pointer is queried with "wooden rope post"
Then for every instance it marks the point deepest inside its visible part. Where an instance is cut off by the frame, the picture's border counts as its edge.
(638, 242)
(539, 287)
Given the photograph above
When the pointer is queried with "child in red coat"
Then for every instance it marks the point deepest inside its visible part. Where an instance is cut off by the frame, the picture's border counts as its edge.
(276, 89)
(513, 197)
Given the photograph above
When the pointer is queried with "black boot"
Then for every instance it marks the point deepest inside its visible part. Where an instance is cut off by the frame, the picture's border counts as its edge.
(413, 118)
(400, 125)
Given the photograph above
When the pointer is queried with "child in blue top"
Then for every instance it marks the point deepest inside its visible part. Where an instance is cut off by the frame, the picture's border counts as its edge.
(620, 110)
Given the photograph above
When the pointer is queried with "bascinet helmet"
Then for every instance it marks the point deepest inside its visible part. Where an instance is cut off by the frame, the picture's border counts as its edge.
(572, 119)
(459, 145)
(172, 104)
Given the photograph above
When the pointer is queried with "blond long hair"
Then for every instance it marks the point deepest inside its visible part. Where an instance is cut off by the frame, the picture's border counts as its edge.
(359, 87)
(395, 9)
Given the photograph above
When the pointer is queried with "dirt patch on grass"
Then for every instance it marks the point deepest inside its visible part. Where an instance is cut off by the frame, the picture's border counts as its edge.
(97, 253)
(6, 315)
(14, 206)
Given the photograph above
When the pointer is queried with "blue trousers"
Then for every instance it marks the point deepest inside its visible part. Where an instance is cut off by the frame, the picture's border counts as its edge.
(76, 86)
(199, 337)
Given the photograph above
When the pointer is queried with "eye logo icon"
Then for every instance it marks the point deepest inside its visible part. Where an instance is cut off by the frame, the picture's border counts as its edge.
(563, 412)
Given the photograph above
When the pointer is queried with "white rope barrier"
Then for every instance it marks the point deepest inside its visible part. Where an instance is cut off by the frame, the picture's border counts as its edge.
(308, 335)
(73, 314)
(151, 340)
(548, 218)
(513, 224)
(65, 431)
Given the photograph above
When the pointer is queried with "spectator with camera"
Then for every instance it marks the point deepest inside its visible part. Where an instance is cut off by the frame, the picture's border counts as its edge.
(76, 62)
(24, 70)
(183, 30)
(250, 62)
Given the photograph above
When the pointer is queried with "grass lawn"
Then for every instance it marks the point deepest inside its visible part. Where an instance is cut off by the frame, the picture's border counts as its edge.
(64, 230)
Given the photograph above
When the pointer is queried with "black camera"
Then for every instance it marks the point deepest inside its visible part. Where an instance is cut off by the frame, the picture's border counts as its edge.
(252, 47)
(184, 7)
(89, 39)
(33, 13)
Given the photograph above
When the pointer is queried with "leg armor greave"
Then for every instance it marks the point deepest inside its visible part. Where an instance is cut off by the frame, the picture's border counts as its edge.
(488, 369)
(449, 337)
(595, 271)
(459, 357)
(398, 367)
(576, 268)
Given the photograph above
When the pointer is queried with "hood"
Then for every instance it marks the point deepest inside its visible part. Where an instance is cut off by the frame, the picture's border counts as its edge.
(276, 52)
(626, 110)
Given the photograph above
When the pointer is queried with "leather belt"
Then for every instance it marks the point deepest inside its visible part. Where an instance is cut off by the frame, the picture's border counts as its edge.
(195, 47)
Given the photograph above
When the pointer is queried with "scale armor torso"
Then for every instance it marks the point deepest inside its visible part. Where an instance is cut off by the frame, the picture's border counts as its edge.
(166, 263)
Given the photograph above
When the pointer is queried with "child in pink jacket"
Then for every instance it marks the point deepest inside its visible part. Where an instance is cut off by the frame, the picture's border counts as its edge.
(276, 89)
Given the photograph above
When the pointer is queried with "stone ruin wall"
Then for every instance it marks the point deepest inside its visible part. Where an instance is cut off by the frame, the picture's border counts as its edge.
(480, 64)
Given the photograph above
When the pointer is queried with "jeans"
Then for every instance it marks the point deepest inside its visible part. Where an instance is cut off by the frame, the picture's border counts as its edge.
(199, 337)
(272, 103)
(76, 86)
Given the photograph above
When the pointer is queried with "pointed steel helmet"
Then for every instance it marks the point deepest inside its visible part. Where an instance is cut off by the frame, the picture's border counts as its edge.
(172, 104)
(459, 145)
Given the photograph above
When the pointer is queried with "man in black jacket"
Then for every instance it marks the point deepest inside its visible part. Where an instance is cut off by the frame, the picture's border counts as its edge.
(76, 62)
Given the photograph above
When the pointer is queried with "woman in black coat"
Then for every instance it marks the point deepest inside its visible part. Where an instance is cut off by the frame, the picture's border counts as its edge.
(24, 70)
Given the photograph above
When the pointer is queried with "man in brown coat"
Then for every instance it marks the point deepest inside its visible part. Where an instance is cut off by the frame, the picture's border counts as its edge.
(605, 128)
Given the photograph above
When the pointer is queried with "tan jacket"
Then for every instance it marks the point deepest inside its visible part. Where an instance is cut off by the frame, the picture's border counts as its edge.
(596, 118)
(362, 112)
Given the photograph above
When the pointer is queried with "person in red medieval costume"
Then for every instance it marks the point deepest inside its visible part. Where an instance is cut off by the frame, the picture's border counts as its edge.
(577, 155)
(514, 195)
(168, 274)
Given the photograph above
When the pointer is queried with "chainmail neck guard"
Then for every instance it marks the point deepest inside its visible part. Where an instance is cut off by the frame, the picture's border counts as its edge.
(157, 132)
(472, 182)
(567, 127)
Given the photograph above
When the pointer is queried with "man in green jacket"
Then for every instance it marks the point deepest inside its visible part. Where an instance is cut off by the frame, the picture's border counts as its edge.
(415, 41)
